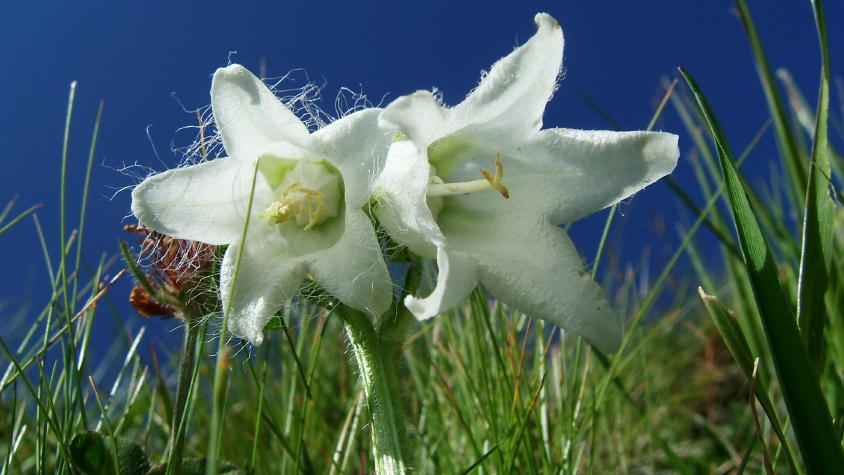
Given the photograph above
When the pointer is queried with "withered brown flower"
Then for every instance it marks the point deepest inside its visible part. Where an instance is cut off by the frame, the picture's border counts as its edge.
(177, 267)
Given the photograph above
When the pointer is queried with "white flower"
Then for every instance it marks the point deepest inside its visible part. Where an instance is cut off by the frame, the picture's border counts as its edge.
(306, 215)
(434, 198)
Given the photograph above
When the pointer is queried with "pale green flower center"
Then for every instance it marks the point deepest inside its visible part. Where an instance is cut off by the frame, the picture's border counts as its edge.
(295, 201)
(311, 193)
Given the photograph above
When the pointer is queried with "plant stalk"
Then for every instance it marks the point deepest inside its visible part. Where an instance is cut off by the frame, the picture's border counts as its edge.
(378, 373)
(186, 368)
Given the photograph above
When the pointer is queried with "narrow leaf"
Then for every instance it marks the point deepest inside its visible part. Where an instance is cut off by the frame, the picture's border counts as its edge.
(18, 218)
(816, 251)
(806, 405)
(129, 258)
(737, 344)
(785, 137)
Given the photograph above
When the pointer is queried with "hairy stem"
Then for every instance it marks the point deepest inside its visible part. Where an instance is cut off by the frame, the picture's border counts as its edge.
(376, 362)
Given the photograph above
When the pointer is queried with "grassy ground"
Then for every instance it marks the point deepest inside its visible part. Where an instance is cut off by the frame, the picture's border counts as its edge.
(484, 388)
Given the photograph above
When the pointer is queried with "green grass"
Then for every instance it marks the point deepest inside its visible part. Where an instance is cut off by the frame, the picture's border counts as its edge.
(744, 375)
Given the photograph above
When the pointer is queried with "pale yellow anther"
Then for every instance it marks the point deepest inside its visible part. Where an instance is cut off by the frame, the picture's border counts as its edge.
(294, 201)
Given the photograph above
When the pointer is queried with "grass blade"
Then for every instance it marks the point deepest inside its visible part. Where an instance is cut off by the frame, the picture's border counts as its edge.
(816, 250)
(83, 207)
(736, 342)
(136, 271)
(785, 137)
(806, 405)
(18, 218)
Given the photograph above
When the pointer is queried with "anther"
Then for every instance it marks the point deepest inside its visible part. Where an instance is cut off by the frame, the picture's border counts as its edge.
(294, 201)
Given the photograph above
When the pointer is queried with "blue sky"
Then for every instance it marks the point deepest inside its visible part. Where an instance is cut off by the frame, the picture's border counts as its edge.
(138, 56)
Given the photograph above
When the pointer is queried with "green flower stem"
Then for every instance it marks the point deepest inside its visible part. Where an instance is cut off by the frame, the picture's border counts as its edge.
(378, 372)
(186, 368)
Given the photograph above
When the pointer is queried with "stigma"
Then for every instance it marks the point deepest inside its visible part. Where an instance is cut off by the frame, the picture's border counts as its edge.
(438, 188)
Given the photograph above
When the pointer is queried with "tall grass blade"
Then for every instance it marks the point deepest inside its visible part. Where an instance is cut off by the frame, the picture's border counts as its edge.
(49, 342)
(807, 408)
(83, 207)
(816, 252)
(785, 137)
(48, 413)
(17, 218)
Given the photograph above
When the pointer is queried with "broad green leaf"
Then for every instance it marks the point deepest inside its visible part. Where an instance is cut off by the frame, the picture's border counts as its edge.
(91, 453)
(197, 467)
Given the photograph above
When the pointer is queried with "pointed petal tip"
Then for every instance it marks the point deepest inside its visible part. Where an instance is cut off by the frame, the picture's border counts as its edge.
(135, 206)
(543, 19)
(382, 298)
(602, 328)
(663, 148)
(416, 98)
(456, 278)
(248, 115)
(229, 75)
(609, 340)
(257, 340)
(419, 115)
(609, 344)
(140, 206)
(419, 307)
(233, 69)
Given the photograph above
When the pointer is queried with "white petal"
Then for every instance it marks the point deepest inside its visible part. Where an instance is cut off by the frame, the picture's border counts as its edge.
(358, 148)
(535, 268)
(353, 270)
(562, 175)
(579, 172)
(512, 97)
(205, 202)
(265, 280)
(249, 116)
(402, 205)
(508, 102)
(420, 116)
(403, 212)
(546, 279)
(457, 276)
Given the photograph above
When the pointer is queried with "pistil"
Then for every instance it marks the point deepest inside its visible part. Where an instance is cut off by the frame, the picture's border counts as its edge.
(438, 188)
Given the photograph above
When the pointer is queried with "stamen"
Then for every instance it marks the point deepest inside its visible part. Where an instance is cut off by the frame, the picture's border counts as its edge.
(490, 182)
(294, 201)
